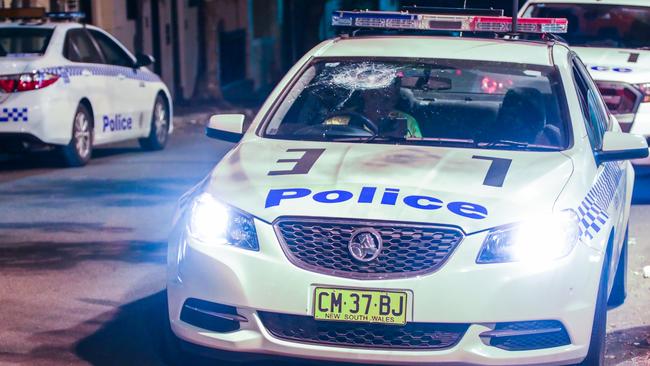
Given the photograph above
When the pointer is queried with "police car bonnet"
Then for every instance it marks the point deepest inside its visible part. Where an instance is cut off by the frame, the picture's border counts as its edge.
(474, 189)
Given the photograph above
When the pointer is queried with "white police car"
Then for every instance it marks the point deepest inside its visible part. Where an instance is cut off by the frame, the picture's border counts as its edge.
(612, 37)
(413, 199)
(73, 87)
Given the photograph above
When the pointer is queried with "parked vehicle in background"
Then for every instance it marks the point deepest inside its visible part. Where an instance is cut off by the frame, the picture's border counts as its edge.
(612, 37)
(69, 87)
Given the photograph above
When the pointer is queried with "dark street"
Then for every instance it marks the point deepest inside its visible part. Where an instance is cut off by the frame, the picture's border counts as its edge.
(83, 258)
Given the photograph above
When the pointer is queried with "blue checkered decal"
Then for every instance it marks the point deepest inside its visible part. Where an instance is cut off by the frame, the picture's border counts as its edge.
(592, 212)
(66, 72)
(13, 115)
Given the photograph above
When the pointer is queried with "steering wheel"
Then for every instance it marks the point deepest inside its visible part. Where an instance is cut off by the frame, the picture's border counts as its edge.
(365, 121)
(356, 127)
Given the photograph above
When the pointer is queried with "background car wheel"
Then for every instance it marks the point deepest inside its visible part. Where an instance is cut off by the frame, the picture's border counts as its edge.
(159, 132)
(79, 150)
(619, 291)
(596, 354)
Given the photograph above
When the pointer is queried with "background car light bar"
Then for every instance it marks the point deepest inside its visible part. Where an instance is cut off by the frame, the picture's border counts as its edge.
(66, 15)
(467, 23)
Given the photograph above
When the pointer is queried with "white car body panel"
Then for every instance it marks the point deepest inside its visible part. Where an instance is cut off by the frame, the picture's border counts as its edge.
(460, 291)
(421, 170)
(111, 90)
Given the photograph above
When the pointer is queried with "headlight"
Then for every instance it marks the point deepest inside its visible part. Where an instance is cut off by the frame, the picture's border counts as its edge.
(645, 89)
(212, 222)
(540, 239)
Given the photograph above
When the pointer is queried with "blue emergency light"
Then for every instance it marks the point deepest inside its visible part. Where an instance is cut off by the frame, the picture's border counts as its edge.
(66, 15)
(446, 22)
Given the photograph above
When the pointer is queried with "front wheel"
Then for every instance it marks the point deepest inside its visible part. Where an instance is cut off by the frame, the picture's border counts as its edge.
(619, 291)
(596, 354)
(79, 150)
(159, 130)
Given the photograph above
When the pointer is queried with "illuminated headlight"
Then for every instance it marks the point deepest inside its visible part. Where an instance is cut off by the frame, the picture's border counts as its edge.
(214, 223)
(540, 239)
(645, 89)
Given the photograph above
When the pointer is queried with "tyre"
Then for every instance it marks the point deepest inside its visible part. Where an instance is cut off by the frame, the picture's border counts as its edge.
(619, 291)
(596, 354)
(159, 131)
(79, 150)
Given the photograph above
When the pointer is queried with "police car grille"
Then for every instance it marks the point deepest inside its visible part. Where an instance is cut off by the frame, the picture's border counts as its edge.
(320, 245)
(621, 98)
(414, 336)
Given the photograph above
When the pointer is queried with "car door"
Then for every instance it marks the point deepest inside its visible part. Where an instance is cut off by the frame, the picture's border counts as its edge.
(125, 87)
(612, 176)
(85, 80)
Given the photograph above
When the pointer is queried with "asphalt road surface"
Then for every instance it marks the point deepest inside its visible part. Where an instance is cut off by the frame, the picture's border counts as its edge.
(82, 258)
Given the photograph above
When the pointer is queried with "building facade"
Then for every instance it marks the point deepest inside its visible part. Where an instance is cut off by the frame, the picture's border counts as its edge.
(209, 49)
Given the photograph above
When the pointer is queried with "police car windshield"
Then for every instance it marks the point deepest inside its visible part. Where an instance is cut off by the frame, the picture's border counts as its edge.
(434, 102)
(600, 25)
(16, 41)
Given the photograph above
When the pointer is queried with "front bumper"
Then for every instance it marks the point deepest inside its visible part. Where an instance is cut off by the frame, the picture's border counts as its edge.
(460, 292)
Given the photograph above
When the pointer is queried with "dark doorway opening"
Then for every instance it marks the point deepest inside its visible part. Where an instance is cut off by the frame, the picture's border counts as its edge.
(232, 51)
(155, 36)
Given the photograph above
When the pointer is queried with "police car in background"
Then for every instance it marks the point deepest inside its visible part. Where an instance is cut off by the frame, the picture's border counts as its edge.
(73, 86)
(409, 198)
(612, 37)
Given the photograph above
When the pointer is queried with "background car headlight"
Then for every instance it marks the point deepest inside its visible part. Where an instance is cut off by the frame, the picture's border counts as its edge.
(645, 89)
(212, 222)
(539, 239)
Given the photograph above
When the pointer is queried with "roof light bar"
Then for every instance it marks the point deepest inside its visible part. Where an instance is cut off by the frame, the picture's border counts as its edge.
(22, 13)
(452, 11)
(38, 13)
(66, 15)
(466, 23)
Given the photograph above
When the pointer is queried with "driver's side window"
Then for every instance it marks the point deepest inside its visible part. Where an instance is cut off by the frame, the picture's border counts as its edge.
(113, 53)
(591, 104)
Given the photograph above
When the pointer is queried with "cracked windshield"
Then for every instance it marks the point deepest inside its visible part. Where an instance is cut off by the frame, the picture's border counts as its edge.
(437, 103)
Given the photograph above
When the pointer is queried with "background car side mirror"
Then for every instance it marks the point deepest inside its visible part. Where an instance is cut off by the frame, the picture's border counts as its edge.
(622, 146)
(226, 127)
(142, 59)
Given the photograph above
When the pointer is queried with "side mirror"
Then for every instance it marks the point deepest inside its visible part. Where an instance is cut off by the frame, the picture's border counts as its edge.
(142, 59)
(622, 146)
(227, 127)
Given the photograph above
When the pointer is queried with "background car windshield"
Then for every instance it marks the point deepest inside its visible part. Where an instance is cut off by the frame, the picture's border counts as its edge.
(597, 25)
(15, 41)
(441, 102)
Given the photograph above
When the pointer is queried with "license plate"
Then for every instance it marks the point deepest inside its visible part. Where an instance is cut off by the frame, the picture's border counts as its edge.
(364, 306)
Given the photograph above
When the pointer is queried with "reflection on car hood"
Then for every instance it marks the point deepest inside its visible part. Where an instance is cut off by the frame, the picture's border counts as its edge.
(436, 176)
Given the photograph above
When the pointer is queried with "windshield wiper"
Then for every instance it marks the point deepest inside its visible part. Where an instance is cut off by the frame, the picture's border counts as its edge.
(503, 143)
(397, 139)
(437, 141)
(366, 139)
(516, 144)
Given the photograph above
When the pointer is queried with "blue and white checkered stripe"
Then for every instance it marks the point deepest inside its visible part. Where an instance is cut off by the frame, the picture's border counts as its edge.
(66, 72)
(592, 212)
(13, 115)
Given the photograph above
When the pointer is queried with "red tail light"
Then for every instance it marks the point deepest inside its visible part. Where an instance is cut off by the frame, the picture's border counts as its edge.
(26, 82)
